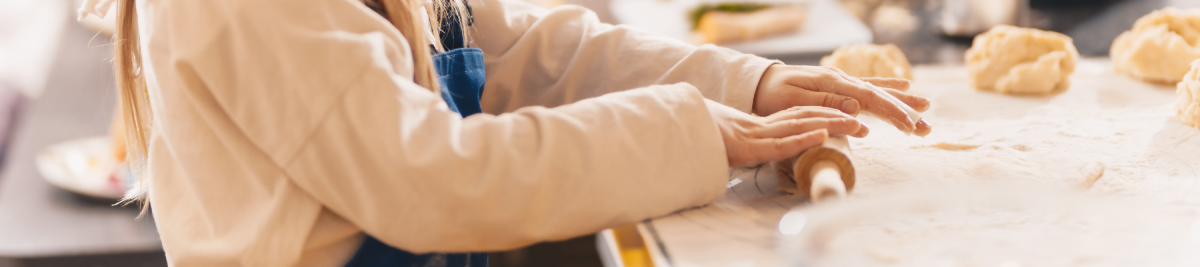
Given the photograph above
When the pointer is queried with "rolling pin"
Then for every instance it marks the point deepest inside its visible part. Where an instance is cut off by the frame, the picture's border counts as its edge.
(823, 172)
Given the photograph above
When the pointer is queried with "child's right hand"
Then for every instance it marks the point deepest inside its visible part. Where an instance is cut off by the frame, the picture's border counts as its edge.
(751, 140)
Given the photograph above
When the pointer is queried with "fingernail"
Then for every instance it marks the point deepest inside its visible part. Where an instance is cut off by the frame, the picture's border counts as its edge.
(928, 128)
(850, 106)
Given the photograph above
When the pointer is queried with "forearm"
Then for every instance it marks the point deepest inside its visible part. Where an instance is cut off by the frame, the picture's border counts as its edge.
(555, 57)
(437, 183)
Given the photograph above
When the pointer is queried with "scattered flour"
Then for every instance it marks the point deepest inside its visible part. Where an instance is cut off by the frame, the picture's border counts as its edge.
(999, 182)
(966, 225)
(1111, 137)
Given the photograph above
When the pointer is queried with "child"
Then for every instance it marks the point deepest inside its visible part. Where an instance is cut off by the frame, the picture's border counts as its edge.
(328, 132)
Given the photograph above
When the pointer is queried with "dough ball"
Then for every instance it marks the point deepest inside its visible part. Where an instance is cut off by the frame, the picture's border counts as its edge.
(1188, 104)
(1015, 60)
(869, 60)
(1160, 46)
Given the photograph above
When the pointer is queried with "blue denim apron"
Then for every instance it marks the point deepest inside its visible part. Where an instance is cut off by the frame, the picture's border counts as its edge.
(462, 75)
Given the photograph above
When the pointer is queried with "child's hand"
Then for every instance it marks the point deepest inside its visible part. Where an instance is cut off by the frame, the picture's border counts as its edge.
(751, 140)
(785, 86)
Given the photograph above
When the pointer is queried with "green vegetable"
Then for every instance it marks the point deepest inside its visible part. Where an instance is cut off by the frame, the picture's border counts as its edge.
(724, 7)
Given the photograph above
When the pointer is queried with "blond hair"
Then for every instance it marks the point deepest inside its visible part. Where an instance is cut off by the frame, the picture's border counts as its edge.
(131, 85)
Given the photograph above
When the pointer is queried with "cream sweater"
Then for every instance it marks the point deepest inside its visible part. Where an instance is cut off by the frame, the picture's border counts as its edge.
(285, 129)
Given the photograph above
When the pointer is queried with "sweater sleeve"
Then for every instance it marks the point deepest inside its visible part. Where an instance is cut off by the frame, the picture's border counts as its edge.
(323, 88)
(552, 57)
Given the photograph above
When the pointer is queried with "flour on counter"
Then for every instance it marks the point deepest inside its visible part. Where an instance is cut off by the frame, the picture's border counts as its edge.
(966, 225)
(1148, 191)
(1128, 126)
(1114, 139)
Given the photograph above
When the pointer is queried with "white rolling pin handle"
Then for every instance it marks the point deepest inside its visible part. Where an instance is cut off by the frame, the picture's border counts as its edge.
(826, 182)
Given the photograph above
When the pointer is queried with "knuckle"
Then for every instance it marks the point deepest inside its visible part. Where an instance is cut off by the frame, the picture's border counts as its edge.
(815, 112)
(830, 69)
(825, 122)
(780, 145)
(829, 110)
(830, 100)
(796, 123)
(848, 124)
(829, 72)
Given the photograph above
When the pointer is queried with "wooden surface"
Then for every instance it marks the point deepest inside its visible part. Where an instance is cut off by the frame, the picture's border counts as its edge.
(37, 219)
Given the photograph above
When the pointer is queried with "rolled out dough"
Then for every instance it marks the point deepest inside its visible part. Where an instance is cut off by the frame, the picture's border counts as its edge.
(870, 60)
(1187, 105)
(1015, 60)
(1160, 46)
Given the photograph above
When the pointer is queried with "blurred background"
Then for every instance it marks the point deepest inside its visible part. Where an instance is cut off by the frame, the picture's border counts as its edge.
(58, 178)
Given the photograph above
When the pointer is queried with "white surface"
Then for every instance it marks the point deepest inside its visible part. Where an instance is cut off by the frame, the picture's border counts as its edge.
(85, 166)
(993, 225)
(981, 137)
(827, 27)
(29, 36)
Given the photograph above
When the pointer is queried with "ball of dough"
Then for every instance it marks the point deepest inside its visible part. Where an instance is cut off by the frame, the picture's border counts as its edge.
(1160, 46)
(1187, 106)
(1015, 60)
(869, 60)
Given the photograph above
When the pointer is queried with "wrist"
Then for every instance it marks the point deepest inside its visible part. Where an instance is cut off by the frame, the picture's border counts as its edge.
(761, 88)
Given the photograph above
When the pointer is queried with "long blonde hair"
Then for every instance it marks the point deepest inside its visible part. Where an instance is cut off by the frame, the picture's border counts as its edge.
(131, 85)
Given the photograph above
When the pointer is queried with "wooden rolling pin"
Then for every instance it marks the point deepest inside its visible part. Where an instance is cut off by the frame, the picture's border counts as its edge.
(823, 172)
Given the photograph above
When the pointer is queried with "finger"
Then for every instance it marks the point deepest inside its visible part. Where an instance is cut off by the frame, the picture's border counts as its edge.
(873, 102)
(837, 82)
(806, 112)
(862, 131)
(920, 104)
(816, 112)
(923, 128)
(786, 128)
(845, 104)
(893, 83)
(774, 149)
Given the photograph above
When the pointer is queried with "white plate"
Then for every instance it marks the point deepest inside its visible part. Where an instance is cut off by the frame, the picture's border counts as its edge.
(85, 166)
(828, 26)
